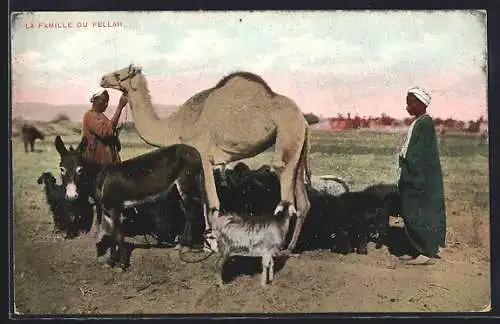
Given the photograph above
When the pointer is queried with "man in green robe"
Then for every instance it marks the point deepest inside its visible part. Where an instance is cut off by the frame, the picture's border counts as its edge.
(421, 183)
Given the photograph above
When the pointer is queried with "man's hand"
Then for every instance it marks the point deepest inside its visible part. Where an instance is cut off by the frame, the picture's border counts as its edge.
(123, 101)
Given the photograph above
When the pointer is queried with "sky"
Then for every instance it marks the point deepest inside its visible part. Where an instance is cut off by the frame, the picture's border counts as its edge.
(328, 62)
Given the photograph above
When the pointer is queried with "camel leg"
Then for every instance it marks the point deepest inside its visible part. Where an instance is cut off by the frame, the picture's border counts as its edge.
(303, 205)
(288, 151)
(210, 190)
(286, 176)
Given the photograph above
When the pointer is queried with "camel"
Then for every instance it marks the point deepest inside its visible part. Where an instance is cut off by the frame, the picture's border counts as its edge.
(238, 118)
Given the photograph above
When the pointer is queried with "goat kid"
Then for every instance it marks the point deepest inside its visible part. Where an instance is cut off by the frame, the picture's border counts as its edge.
(251, 236)
(71, 217)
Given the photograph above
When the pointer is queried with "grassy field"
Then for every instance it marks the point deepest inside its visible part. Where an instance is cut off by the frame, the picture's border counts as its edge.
(64, 277)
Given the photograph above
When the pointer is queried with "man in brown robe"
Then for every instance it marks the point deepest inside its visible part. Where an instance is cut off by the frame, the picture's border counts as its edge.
(97, 127)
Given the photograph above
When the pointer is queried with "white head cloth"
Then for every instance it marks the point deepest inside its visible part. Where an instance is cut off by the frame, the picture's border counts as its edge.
(95, 93)
(421, 94)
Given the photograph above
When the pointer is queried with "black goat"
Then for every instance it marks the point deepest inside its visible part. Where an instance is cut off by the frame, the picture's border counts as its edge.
(163, 219)
(327, 225)
(70, 217)
(391, 195)
(368, 214)
(247, 191)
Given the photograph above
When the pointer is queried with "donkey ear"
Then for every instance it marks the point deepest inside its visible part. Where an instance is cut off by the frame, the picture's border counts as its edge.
(83, 145)
(60, 145)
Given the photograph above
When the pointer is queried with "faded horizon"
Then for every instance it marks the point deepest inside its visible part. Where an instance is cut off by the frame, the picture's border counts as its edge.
(330, 63)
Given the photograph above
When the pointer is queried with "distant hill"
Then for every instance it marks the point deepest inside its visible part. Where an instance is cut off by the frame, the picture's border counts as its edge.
(46, 112)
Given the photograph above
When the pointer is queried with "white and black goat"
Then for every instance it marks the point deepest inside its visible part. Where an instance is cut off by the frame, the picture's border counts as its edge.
(251, 236)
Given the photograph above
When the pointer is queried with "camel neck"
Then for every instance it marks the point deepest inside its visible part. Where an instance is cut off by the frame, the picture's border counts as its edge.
(149, 126)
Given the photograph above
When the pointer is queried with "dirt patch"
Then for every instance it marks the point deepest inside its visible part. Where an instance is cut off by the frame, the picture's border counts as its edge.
(58, 276)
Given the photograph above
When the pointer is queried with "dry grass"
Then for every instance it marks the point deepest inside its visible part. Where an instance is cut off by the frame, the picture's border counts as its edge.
(64, 277)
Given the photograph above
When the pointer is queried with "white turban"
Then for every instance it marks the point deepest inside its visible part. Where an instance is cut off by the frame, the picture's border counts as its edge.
(95, 93)
(421, 95)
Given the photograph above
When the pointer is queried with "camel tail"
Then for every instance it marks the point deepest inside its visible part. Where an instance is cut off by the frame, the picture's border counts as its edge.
(305, 156)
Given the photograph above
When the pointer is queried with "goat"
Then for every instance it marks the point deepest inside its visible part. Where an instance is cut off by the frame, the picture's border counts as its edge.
(133, 182)
(391, 195)
(253, 192)
(248, 191)
(332, 222)
(251, 236)
(368, 213)
(327, 225)
(163, 219)
(29, 133)
(69, 216)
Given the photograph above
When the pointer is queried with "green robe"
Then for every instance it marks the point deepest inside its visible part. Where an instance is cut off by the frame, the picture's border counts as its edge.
(421, 187)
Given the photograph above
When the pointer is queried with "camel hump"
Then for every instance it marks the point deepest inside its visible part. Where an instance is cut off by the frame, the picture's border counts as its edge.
(247, 76)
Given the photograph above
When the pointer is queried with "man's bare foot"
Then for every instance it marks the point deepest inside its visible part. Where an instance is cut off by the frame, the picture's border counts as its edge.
(405, 257)
(421, 260)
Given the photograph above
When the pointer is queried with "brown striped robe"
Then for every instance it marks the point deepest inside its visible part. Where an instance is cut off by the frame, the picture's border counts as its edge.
(97, 151)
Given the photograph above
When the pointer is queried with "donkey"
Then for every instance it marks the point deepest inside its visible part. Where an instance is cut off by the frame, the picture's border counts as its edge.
(145, 178)
(29, 134)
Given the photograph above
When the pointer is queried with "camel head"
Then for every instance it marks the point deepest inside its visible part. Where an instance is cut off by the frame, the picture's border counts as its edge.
(125, 80)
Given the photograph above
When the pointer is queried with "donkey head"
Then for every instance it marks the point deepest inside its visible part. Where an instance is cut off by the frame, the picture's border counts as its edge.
(71, 166)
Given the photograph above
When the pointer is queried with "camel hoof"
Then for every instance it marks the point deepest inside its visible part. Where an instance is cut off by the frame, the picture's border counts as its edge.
(290, 253)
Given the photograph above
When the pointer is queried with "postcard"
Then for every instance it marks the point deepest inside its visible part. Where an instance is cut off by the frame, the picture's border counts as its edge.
(249, 162)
